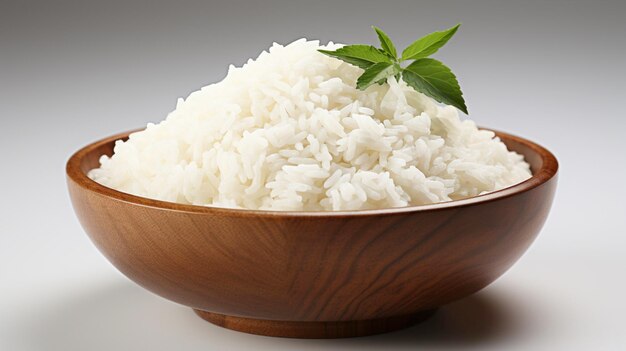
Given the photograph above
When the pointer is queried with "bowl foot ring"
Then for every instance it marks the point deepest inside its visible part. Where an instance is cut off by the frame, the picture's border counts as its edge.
(315, 330)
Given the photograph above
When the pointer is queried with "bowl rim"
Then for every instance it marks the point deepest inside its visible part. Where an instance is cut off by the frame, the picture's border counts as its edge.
(547, 171)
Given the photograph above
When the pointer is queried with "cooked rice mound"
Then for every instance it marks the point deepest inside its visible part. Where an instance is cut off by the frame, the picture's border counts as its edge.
(289, 131)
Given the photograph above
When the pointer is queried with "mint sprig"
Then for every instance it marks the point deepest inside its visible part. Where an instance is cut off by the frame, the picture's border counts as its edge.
(359, 55)
(426, 75)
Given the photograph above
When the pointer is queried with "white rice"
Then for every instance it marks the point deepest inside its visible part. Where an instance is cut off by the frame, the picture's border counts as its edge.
(289, 131)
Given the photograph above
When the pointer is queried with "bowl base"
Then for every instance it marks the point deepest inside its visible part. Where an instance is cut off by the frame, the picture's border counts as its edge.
(315, 330)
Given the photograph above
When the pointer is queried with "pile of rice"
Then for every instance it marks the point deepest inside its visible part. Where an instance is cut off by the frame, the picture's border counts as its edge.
(289, 131)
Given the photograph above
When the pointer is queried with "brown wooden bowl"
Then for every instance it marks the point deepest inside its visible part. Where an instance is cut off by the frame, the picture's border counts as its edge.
(314, 274)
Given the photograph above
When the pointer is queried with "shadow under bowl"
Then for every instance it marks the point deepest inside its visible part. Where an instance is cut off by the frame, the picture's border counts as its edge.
(314, 274)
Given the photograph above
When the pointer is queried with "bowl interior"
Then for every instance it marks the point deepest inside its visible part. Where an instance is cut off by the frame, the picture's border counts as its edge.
(91, 159)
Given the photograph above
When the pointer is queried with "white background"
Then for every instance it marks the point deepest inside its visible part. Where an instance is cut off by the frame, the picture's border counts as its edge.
(73, 72)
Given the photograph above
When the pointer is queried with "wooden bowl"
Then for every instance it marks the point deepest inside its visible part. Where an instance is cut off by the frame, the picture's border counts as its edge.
(314, 274)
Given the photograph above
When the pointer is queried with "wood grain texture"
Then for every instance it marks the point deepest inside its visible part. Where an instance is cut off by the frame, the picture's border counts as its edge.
(315, 330)
(325, 267)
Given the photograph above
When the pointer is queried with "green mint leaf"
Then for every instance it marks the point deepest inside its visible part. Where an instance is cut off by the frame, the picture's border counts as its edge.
(425, 75)
(359, 55)
(375, 73)
(386, 43)
(436, 80)
(429, 44)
